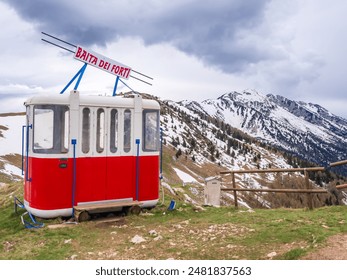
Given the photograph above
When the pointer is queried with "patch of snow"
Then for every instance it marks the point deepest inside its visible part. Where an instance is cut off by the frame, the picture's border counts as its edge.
(196, 175)
(239, 199)
(12, 170)
(185, 177)
(10, 143)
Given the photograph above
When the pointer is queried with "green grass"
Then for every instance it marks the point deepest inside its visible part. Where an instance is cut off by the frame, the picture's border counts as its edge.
(293, 254)
(215, 233)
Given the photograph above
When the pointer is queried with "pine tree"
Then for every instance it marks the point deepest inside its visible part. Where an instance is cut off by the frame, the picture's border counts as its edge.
(179, 153)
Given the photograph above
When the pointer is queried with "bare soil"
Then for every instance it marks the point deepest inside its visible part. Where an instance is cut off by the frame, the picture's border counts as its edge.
(185, 240)
(335, 248)
(180, 240)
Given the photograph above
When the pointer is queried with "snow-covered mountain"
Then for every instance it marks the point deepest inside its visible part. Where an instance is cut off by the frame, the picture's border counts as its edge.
(202, 139)
(200, 132)
(303, 129)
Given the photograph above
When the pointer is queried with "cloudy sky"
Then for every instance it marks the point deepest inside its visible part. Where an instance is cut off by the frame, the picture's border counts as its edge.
(193, 49)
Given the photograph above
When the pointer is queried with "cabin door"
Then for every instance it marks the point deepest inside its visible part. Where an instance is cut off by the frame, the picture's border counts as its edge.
(101, 151)
(91, 167)
(48, 175)
(120, 162)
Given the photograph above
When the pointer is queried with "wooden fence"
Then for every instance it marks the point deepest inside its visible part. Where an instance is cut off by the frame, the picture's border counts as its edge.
(308, 188)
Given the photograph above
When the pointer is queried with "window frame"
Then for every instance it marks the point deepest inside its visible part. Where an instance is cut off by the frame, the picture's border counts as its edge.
(100, 130)
(60, 129)
(145, 146)
(114, 126)
(127, 131)
(86, 130)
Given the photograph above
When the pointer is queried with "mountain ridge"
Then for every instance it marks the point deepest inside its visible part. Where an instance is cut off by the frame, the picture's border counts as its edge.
(201, 145)
(303, 129)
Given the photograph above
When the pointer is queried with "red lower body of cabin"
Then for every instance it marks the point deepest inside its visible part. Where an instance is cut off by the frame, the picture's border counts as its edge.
(50, 184)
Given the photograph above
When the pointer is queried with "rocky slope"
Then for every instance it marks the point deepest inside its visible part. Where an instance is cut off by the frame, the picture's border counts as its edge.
(303, 129)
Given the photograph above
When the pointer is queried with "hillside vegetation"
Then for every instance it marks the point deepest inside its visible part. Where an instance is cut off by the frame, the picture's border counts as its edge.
(202, 146)
(261, 228)
(188, 232)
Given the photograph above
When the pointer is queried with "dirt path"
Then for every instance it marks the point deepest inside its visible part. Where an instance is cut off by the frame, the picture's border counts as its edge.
(334, 249)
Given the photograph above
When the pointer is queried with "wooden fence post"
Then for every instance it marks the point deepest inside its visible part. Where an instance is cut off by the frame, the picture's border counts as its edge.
(308, 187)
(234, 186)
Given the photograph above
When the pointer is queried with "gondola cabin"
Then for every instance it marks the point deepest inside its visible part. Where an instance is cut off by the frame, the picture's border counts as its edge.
(85, 150)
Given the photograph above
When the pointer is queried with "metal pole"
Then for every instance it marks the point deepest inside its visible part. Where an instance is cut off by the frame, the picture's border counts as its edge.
(27, 154)
(115, 86)
(44, 33)
(58, 46)
(140, 80)
(23, 127)
(73, 142)
(141, 74)
(137, 168)
(161, 154)
(78, 74)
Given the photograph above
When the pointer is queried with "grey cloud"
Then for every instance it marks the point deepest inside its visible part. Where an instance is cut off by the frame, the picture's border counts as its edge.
(6, 95)
(210, 30)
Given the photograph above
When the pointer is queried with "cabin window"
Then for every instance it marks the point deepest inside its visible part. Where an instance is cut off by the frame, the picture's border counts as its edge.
(114, 131)
(51, 129)
(66, 130)
(100, 130)
(150, 130)
(85, 130)
(127, 131)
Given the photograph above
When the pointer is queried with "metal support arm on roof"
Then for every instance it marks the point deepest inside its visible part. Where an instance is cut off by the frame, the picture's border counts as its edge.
(78, 75)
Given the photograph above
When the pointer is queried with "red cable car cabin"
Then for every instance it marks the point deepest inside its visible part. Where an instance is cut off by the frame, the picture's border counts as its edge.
(90, 149)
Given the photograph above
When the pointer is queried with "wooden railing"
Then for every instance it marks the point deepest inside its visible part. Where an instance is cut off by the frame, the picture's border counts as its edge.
(308, 188)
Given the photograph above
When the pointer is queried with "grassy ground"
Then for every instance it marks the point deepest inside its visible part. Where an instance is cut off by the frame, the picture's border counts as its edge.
(185, 233)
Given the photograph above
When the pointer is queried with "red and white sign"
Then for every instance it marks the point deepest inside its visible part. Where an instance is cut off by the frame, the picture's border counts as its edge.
(102, 62)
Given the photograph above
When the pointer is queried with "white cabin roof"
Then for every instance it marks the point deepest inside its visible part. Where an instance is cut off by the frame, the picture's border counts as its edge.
(91, 101)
